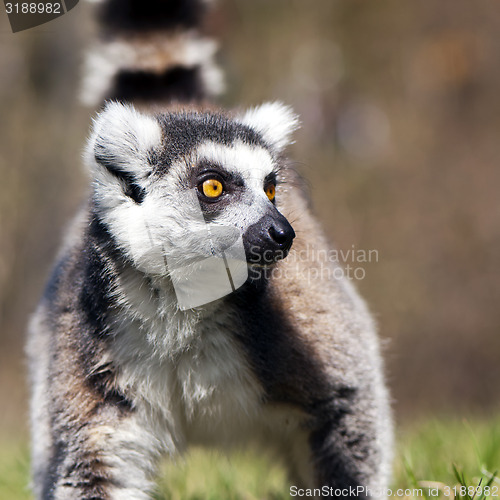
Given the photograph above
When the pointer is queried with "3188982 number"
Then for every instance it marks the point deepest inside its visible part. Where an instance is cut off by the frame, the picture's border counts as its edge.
(33, 8)
(471, 491)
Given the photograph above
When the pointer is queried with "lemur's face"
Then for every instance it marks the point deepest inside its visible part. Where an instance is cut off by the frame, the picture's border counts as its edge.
(179, 187)
(236, 186)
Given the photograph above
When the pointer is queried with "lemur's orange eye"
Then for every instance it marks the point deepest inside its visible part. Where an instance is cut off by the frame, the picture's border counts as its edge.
(212, 188)
(271, 191)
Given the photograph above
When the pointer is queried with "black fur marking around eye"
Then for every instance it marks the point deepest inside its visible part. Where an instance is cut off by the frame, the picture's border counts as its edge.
(205, 170)
(118, 16)
(174, 84)
(270, 179)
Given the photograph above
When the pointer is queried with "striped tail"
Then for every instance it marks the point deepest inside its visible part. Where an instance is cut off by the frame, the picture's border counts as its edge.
(150, 52)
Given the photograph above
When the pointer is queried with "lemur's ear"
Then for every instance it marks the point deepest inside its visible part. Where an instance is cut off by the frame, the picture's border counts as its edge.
(274, 121)
(119, 148)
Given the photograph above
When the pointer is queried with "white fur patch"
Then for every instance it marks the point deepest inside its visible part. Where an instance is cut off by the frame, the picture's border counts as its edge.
(124, 137)
(120, 122)
(38, 351)
(126, 131)
(274, 121)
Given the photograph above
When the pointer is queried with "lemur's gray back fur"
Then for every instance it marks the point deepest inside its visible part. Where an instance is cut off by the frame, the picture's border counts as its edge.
(120, 373)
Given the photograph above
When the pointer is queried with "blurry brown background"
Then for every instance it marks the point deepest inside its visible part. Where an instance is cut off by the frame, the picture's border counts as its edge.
(400, 103)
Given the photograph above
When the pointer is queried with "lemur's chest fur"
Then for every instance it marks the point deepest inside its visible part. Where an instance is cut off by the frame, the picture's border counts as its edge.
(183, 364)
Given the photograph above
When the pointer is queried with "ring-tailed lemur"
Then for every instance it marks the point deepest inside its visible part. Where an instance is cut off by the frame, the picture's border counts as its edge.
(124, 368)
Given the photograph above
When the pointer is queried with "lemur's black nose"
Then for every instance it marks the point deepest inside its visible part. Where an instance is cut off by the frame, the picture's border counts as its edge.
(269, 239)
(282, 234)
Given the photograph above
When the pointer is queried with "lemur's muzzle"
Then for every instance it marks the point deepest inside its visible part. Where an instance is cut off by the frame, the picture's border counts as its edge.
(269, 239)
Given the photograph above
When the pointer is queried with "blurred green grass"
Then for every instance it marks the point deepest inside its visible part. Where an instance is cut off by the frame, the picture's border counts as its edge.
(432, 447)
(429, 449)
(14, 469)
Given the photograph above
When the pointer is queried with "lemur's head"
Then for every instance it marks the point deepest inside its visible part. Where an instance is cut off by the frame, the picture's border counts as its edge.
(172, 181)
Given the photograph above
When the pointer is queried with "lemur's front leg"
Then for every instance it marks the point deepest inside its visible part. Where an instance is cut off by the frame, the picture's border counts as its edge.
(348, 446)
(92, 441)
(110, 457)
(350, 452)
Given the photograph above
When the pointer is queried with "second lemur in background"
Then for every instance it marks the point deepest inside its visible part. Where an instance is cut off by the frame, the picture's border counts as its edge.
(121, 372)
